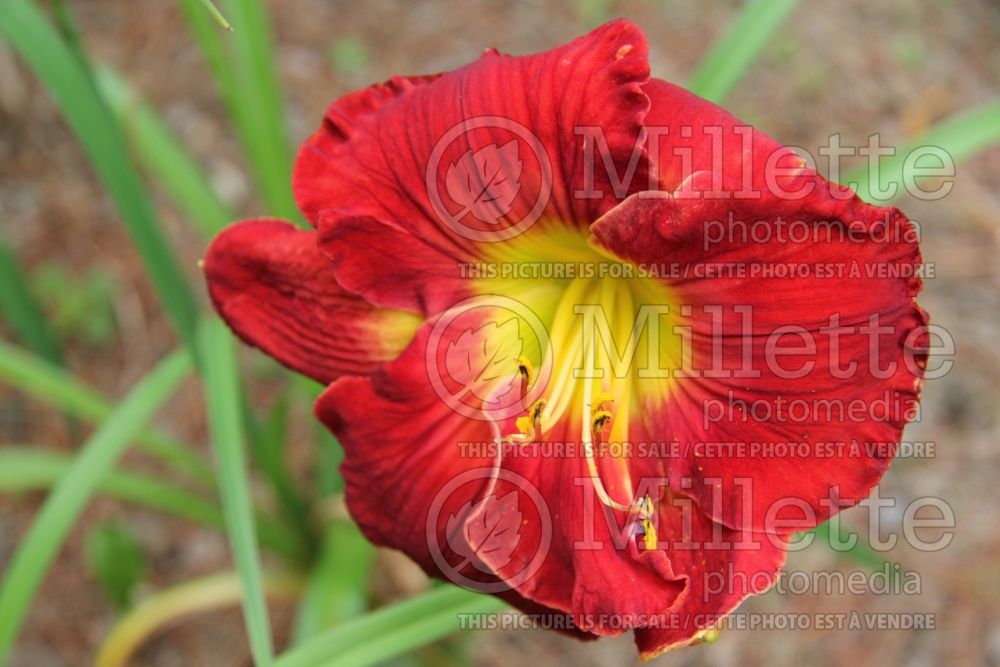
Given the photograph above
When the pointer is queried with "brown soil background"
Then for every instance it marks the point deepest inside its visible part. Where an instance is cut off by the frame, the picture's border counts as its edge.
(852, 67)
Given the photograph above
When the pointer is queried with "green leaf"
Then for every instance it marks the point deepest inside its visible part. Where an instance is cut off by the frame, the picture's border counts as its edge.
(392, 630)
(962, 136)
(71, 86)
(216, 14)
(116, 561)
(330, 454)
(242, 62)
(63, 390)
(96, 459)
(24, 469)
(267, 449)
(222, 387)
(337, 590)
(723, 67)
(163, 156)
(253, 61)
(21, 310)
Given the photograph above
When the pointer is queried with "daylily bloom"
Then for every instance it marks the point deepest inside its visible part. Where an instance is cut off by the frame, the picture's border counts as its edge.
(680, 344)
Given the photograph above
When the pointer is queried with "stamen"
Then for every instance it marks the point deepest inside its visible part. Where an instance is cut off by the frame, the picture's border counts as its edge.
(603, 400)
(535, 411)
(648, 528)
(599, 421)
(529, 426)
(600, 418)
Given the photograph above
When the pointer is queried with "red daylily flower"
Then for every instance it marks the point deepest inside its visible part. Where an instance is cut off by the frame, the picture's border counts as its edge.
(488, 240)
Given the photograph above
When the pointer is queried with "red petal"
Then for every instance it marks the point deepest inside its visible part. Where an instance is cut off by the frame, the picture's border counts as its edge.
(818, 473)
(370, 161)
(401, 447)
(391, 266)
(593, 569)
(400, 454)
(277, 291)
(418, 476)
(718, 574)
(688, 134)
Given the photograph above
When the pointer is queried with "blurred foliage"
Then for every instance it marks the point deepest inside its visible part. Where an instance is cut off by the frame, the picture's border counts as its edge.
(116, 561)
(79, 307)
(349, 55)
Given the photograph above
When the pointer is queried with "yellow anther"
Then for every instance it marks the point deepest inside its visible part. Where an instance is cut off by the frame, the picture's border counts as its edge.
(599, 420)
(603, 400)
(648, 534)
(528, 426)
(646, 513)
(646, 508)
(525, 424)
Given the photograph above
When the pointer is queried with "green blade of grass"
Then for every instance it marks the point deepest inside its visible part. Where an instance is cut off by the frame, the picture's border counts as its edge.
(222, 387)
(59, 388)
(71, 86)
(337, 589)
(22, 311)
(267, 440)
(24, 469)
(216, 14)
(962, 136)
(242, 64)
(96, 459)
(253, 60)
(163, 156)
(723, 67)
(388, 632)
(214, 52)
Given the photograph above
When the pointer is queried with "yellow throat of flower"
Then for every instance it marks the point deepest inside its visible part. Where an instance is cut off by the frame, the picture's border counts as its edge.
(612, 329)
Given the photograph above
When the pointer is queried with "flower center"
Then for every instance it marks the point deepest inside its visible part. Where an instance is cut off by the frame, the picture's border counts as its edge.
(614, 333)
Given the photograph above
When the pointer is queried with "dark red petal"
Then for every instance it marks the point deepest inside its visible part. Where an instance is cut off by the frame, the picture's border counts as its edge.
(593, 568)
(721, 568)
(275, 288)
(392, 266)
(688, 134)
(400, 454)
(401, 445)
(406, 456)
(817, 474)
(371, 158)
